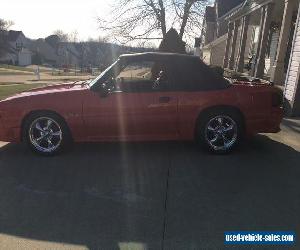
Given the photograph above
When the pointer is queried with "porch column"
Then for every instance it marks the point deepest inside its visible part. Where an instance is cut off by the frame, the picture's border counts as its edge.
(233, 44)
(228, 42)
(260, 66)
(244, 35)
(261, 23)
(277, 72)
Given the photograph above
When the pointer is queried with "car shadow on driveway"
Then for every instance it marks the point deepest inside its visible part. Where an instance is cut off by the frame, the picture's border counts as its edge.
(149, 195)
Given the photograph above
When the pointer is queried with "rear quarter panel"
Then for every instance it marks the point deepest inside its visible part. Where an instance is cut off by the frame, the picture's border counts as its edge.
(260, 114)
(191, 104)
(254, 102)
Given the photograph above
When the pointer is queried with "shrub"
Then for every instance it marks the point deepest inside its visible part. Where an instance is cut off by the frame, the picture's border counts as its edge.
(218, 70)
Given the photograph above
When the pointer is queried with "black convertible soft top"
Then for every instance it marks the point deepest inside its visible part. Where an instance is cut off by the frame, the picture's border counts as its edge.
(157, 56)
(190, 70)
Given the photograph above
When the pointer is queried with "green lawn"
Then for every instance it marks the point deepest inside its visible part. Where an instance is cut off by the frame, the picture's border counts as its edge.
(12, 73)
(6, 66)
(29, 69)
(9, 90)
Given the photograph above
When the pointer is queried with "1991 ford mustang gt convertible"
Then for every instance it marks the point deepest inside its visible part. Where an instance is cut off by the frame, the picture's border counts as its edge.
(143, 97)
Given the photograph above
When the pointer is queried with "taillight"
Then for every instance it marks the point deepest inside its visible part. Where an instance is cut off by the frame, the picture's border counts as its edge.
(277, 98)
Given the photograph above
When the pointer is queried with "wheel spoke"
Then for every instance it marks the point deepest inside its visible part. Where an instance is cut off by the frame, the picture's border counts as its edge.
(50, 144)
(49, 123)
(226, 140)
(220, 120)
(214, 139)
(58, 133)
(211, 128)
(229, 128)
(40, 139)
(38, 127)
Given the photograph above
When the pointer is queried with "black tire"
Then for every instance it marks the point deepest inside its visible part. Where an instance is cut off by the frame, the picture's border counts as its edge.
(206, 132)
(36, 127)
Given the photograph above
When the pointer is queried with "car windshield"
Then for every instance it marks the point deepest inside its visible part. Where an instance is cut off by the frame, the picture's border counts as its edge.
(93, 82)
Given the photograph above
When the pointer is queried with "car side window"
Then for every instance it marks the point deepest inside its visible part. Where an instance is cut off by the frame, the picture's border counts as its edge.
(143, 76)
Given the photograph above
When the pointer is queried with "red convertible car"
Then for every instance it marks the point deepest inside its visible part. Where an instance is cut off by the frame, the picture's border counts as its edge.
(143, 97)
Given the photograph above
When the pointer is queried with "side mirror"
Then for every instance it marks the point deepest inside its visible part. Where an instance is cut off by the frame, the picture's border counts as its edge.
(120, 80)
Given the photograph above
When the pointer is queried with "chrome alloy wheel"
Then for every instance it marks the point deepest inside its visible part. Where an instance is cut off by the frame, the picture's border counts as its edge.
(221, 133)
(45, 134)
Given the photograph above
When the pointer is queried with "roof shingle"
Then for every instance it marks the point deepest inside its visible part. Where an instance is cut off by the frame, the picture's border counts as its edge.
(13, 35)
(224, 6)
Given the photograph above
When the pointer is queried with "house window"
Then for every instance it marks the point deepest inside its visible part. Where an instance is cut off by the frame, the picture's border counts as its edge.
(19, 46)
(290, 42)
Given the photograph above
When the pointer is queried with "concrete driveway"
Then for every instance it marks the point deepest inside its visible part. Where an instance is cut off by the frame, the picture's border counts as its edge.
(149, 195)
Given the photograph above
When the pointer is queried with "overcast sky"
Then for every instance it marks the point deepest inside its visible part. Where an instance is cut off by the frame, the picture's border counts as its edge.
(39, 18)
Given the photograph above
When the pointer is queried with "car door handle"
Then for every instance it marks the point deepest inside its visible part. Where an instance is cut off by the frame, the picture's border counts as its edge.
(164, 99)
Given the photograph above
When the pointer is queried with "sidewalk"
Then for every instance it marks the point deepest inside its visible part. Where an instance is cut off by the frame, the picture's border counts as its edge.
(290, 133)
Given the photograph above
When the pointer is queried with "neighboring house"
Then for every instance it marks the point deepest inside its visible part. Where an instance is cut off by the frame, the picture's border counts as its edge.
(214, 33)
(23, 51)
(91, 53)
(42, 52)
(260, 43)
(67, 54)
(18, 52)
(9, 56)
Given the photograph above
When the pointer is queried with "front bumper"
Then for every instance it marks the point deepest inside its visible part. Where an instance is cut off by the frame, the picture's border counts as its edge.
(9, 134)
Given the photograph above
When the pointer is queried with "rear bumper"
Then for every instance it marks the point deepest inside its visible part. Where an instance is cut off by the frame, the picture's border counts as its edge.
(275, 120)
(269, 124)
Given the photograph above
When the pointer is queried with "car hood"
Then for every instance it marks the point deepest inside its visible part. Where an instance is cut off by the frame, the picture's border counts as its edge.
(51, 89)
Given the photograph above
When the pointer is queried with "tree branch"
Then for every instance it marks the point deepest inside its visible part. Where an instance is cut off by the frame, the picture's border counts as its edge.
(140, 19)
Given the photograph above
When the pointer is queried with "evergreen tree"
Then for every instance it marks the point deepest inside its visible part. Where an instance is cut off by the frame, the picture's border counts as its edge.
(172, 43)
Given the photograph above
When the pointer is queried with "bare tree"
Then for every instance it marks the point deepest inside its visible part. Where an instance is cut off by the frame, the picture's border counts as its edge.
(99, 39)
(73, 36)
(4, 44)
(103, 39)
(5, 25)
(63, 37)
(151, 19)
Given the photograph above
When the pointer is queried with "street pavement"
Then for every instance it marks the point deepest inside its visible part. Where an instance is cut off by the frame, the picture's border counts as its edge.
(149, 195)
